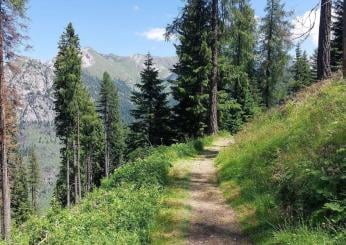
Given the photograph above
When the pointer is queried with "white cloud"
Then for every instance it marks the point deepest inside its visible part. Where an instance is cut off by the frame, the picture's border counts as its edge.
(155, 34)
(307, 26)
(135, 8)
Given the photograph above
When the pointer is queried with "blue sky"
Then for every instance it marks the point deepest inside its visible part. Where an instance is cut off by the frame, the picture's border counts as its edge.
(122, 27)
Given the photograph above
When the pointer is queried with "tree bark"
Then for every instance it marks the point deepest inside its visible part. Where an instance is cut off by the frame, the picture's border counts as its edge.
(213, 122)
(106, 142)
(344, 41)
(78, 157)
(68, 201)
(6, 206)
(75, 171)
(323, 60)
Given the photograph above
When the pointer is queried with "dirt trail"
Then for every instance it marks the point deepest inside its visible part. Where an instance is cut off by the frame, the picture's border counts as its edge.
(212, 220)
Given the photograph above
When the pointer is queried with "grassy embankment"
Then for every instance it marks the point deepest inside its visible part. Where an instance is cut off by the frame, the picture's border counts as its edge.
(286, 174)
(123, 210)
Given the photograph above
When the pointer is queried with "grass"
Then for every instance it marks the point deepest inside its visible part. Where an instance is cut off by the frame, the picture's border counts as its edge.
(284, 175)
(123, 211)
(172, 222)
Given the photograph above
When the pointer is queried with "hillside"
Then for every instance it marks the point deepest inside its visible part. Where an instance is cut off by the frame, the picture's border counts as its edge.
(33, 80)
(122, 211)
(285, 174)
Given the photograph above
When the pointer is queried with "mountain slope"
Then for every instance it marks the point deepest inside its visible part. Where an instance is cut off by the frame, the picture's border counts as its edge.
(285, 175)
(33, 80)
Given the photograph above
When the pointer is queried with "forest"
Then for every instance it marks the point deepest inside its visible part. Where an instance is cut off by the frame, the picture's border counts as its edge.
(250, 120)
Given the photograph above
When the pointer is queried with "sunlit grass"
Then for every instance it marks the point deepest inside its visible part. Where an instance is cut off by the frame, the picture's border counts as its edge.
(275, 159)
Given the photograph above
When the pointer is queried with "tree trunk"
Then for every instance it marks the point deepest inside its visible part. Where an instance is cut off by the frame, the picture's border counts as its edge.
(89, 172)
(78, 157)
(213, 123)
(323, 60)
(106, 142)
(68, 201)
(344, 41)
(75, 171)
(267, 89)
(6, 206)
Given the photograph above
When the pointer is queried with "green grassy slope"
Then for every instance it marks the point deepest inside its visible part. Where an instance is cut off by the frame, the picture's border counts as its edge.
(122, 211)
(286, 174)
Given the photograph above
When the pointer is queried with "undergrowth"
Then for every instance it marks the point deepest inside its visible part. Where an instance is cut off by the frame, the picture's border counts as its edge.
(122, 211)
(286, 174)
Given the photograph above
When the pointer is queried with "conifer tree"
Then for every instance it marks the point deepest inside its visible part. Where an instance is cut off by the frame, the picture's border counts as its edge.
(66, 86)
(190, 89)
(114, 139)
(151, 114)
(91, 142)
(274, 47)
(11, 14)
(313, 65)
(301, 70)
(337, 35)
(34, 179)
(19, 191)
(20, 205)
(238, 53)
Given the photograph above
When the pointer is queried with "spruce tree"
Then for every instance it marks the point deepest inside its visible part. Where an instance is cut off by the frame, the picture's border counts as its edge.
(151, 114)
(274, 48)
(77, 122)
(91, 142)
(337, 36)
(301, 70)
(190, 89)
(313, 65)
(20, 204)
(114, 139)
(238, 56)
(34, 179)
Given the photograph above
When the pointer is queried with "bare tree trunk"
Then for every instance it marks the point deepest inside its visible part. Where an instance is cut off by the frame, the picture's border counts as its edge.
(6, 206)
(89, 172)
(323, 59)
(75, 171)
(68, 201)
(213, 123)
(78, 157)
(344, 41)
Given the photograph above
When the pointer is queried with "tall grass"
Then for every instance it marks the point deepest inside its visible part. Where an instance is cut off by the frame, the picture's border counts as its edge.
(288, 168)
(122, 211)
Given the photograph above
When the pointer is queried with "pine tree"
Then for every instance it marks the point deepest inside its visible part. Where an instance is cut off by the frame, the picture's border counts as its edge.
(114, 139)
(91, 142)
(313, 65)
(238, 53)
(323, 57)
(337, 36)
(19, 191)
(66, 86)
(190, 89)
(34, 179)
(301, 70)
(275, 28)
(11, 14)
(151, 114)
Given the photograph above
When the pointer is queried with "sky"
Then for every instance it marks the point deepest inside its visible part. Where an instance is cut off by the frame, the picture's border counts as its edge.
(125, 27)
